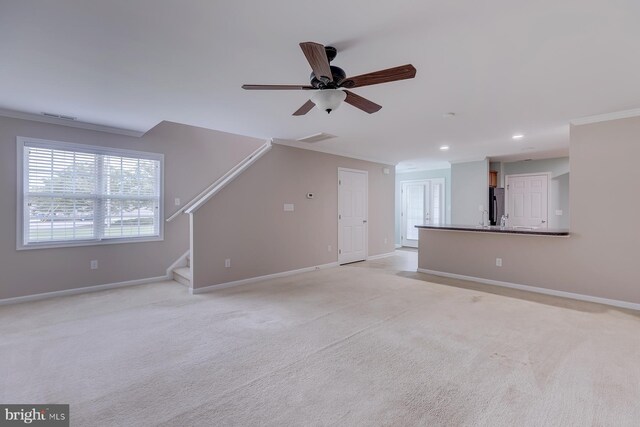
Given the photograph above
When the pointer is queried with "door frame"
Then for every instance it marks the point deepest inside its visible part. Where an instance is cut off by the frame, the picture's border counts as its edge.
(366, 213)
(518, 175)
(403, 217)
(443, 203)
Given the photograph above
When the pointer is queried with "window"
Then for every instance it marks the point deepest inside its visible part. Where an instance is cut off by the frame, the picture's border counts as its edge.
(72, 194)
(436, 203)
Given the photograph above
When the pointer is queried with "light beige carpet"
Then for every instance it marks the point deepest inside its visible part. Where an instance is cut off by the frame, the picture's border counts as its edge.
(362, 345)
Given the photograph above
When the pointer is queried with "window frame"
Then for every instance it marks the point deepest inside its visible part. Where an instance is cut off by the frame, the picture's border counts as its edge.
(22, 222)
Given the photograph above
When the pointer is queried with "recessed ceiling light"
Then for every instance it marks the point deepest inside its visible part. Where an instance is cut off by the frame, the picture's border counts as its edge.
(444, 147)
(518, 136)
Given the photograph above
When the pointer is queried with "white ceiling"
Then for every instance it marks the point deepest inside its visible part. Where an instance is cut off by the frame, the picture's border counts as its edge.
(502, 66)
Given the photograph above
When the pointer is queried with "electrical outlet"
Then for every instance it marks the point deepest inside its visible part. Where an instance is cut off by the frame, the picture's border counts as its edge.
(329, 248)
(176, 201)
(94, 264)
(227, 263)
(558, 212)
(498, 262)
(288, 207)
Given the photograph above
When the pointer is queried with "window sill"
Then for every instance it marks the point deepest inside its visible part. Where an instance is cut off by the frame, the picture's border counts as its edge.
(52, 245)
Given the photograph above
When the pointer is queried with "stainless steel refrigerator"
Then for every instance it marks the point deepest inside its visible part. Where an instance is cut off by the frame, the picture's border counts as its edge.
(496, 205)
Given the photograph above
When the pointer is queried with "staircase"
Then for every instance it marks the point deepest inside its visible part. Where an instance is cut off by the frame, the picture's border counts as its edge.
(182, 275)
(181, 269)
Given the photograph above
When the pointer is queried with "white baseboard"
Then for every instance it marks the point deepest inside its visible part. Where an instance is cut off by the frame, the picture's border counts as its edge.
(261, 278)
(388, 254)
(180, 262)
(398, 246)
(553, 292)
(87, 289)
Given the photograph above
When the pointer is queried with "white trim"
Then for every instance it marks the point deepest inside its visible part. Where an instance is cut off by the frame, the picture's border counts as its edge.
(296, 144)
(379, 256)
(406, 171)
(506, 192)
(87, 289)
(191, 252)
(88, 148)
(261, 278)
(606, 117)
(398, 246)
(180, 262)
(21, 223)
(404, 240)
(70, 123)
(222, 182)
(366, 206)
(80, 243)
(535, 289)
(469, 160)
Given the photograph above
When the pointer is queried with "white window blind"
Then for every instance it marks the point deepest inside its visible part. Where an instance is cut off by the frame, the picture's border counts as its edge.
(74, 193)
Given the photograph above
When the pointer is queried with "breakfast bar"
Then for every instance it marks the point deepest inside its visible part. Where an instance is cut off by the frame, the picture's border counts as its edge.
(499, 229)
(521, 257)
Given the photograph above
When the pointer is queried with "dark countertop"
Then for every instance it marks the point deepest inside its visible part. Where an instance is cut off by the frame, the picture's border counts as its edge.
(498, 229)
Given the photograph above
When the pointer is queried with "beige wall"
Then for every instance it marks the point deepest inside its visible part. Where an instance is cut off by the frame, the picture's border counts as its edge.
(194, 158)
(246, 221)
(599, 259)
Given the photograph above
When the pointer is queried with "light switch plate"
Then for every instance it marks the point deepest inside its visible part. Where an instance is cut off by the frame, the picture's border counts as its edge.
(559, 212)
(288, 207)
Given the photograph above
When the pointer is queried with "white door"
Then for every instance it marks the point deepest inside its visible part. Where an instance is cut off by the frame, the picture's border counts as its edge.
(352, 215)
(422, 203)
(527, 200)
(415, 210)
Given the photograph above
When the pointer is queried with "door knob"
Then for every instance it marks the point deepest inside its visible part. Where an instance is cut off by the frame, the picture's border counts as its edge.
(364, 221)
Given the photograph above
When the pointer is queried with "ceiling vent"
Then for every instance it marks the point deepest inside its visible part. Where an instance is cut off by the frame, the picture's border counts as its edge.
(59, 116)
(316, 137)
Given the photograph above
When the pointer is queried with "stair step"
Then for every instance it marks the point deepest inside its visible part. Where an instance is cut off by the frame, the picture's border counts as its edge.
(182, 275)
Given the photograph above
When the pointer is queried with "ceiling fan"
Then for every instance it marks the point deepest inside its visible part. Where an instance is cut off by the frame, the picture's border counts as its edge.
(330, 82)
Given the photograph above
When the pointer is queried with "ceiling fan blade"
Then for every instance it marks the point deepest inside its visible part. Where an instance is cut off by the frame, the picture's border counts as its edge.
(305, 108)
(317, 57)
(277, 87)
(362, 103)
(383, 76)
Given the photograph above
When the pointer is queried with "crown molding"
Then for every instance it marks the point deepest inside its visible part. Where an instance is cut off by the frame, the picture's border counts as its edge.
(405, 171)
(470, 160)
(70, 123)
(296, 144)
(606, 117)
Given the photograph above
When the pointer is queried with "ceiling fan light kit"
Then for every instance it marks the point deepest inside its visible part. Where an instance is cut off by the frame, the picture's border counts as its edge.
(328, 99)
(330, 81)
